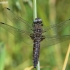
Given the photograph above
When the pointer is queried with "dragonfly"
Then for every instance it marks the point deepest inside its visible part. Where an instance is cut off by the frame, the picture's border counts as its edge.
(36, 32)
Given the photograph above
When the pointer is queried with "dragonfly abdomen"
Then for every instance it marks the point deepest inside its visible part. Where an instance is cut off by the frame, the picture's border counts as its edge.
(36, 50)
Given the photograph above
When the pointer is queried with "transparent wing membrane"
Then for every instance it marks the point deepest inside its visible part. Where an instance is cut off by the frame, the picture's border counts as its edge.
(16, 19)
(23, 27)
(54, 33)
(56, 28)
(15, 31)
(12, 29)
(50, 41)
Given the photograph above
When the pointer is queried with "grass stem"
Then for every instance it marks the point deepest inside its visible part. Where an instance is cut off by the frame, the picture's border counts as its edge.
(66, 58)
(35, 9)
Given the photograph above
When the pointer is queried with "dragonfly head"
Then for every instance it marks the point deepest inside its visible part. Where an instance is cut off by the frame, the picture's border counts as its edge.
(37, 21)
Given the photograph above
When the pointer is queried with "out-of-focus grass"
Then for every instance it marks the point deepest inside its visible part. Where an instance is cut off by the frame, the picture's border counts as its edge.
(19, 53)
(2, 55)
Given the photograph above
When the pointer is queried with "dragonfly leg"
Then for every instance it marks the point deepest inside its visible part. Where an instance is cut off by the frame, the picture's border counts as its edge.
(42, 38)
(32, 36)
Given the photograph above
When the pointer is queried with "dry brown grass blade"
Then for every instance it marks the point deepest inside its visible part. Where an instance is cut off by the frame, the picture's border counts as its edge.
(66, 58)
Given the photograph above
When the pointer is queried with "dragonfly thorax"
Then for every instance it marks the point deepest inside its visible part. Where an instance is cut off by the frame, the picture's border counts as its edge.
(37, 30)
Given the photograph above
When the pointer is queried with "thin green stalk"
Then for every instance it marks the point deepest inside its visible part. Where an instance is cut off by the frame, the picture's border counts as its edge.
(38, 66)
(35, 9)
(35, 16)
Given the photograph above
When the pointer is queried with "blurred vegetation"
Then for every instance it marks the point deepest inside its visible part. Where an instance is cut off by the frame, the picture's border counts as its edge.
(18, 55)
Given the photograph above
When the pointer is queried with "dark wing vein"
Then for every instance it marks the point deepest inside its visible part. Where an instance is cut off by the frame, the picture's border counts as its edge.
(12, 29)
(49, 41)
(23, 36)
(15, 18)
(58, 27)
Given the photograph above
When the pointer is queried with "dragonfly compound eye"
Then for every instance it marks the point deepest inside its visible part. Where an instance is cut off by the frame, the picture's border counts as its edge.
(37, 21)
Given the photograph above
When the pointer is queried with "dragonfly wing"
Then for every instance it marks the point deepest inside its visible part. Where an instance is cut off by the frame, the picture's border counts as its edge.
(57, 28)
(15, 31)
(53, 40)
(17, 20)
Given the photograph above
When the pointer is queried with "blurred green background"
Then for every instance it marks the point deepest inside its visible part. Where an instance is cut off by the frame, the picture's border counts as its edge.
(15, 53)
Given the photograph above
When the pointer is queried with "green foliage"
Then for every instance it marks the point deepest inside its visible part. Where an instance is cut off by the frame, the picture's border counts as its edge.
(2, 56)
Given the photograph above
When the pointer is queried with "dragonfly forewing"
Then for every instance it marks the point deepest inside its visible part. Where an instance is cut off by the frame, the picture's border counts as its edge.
(57, 28)
(18, 21)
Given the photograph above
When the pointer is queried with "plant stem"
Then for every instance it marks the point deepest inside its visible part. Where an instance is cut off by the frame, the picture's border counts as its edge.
(38, 66)
(35, 9)
(35, 16)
